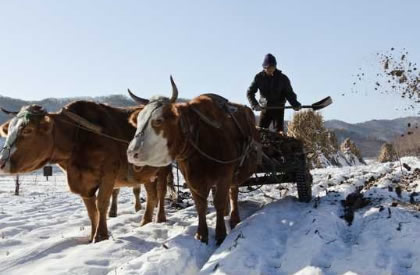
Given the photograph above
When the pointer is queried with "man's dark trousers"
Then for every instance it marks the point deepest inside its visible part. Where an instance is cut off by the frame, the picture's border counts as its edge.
(275, 116)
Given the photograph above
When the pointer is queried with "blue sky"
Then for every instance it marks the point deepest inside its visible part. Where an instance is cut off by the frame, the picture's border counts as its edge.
(91, 48)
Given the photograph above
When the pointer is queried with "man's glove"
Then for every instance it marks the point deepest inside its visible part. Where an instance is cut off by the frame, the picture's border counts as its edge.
(297, 107)
(257, 108)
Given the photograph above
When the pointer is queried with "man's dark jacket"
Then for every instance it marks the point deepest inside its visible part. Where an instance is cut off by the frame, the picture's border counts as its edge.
(276, 89)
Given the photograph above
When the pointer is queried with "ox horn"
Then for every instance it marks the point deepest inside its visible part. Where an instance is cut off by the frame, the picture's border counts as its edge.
(174, 90)
(137, 99)
(8, 112)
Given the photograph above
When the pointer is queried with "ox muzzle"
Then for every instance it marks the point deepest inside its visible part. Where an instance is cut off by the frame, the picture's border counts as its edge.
(135, 147)
(4, 158)
(2, 164)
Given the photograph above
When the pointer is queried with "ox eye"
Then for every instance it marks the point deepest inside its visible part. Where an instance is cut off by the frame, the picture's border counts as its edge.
(27, 131)
(157, 122)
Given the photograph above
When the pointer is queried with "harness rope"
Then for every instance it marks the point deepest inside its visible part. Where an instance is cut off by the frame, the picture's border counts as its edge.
(95, 132)
(81, 120)
(86, 125)
(240, 158)
(217, 125)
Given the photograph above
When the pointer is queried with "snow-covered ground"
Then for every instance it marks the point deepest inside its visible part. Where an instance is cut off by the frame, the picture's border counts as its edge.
(45, 230)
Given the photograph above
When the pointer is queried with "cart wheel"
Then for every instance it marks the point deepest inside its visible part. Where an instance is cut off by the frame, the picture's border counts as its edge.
(304, 183)
(304, 187)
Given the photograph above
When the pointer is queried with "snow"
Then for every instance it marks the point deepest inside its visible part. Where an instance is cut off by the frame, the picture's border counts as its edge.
(45, 230)
(338, 159)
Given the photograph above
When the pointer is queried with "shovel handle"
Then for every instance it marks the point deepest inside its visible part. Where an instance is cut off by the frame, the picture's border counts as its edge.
(285, 107)
(316, 106)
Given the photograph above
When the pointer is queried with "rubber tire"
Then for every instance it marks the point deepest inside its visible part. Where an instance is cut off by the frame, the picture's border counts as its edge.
(304, 183)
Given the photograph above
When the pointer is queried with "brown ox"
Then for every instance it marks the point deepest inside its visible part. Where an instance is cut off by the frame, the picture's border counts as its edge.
(136, 193)
(213, 142)
(114, 201)
(95, 163)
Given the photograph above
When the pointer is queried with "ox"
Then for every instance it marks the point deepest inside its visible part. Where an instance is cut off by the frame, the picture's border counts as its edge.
(213, 141)
(95, 161)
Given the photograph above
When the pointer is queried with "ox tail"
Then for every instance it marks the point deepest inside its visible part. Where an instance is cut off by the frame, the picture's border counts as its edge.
(172, 195)
(250, 117)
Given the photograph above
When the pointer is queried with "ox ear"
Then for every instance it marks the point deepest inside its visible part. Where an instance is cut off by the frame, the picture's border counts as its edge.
(46, 125)
(133, 118)
(4, 129)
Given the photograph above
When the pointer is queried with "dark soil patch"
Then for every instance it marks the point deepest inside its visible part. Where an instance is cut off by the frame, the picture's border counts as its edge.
(353, 202)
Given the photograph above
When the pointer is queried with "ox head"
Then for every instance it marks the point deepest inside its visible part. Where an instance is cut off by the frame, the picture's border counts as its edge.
(28, 142)
(152, 143)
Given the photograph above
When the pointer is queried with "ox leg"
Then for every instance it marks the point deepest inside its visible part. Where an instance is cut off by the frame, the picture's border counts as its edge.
(220, 200)
(151, 202)
(234, 214)
(200, 200)
(90, 204)
(162, 182)
(170, 185)
(114, 203)
(136, 192)
(102, 204)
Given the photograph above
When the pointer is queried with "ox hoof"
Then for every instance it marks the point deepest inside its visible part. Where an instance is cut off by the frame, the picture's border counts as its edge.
(144, 222)
(112, 214)
(161, 219)
(234, 223)
(220, 238)
(219, 241)
(201, 238)
(99, 238)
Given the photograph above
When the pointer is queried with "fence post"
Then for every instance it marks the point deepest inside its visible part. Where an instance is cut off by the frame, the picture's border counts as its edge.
(17, 185)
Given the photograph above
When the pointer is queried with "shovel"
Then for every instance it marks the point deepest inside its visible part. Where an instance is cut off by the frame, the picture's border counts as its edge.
(316, 106)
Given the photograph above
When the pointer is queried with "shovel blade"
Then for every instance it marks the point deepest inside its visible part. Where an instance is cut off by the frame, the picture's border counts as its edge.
(322, 103)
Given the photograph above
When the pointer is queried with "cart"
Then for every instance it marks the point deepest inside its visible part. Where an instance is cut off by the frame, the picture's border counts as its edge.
(283, 160)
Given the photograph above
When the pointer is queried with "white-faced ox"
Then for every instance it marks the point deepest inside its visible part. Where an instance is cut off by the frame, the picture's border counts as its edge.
(213, 142)
(95, 162)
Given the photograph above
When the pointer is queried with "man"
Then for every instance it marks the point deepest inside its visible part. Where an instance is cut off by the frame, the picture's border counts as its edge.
(274, 89)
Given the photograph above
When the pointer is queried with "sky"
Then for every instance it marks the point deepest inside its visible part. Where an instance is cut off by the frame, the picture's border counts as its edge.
(92, 48)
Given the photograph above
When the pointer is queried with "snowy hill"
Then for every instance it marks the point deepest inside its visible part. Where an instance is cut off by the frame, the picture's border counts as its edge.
(370, 135)
(45, 230)
(384, 129)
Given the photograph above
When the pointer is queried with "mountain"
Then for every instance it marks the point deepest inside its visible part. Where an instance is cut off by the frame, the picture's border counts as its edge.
(370, 135)
(380, 129)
